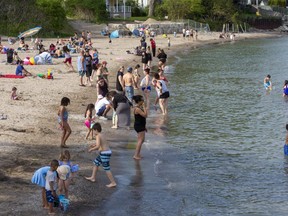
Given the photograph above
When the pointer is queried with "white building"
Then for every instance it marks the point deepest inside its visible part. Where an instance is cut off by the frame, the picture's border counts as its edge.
(143, 3)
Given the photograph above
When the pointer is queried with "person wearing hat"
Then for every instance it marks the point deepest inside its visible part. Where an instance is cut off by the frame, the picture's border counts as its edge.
(129, 83)
(63, 174)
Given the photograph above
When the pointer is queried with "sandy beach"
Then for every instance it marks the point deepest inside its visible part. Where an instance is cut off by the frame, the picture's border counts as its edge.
(30, 138)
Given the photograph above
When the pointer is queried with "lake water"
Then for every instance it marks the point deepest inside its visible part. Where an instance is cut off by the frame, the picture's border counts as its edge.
(220, 150)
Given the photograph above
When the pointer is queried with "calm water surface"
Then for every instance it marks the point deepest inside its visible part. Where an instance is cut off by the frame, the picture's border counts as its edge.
(222, 153)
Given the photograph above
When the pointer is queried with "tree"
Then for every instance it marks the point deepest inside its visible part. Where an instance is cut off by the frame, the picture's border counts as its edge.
(177, 9)
(151, 8)
(87, 9)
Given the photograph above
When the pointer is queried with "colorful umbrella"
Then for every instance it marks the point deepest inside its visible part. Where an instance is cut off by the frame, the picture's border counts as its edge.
(30, 32)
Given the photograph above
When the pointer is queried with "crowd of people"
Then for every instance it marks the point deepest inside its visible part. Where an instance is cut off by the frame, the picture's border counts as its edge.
(129, 96)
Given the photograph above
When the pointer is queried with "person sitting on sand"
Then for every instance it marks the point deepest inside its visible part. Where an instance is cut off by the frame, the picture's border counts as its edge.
(21, 71)
(268, 82)
(14, 95)
(103, 158)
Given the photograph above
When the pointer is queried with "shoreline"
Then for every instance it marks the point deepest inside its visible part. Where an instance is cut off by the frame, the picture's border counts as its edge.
(30, 139)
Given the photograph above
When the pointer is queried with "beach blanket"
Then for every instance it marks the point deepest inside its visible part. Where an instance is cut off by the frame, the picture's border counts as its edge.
(13, 76)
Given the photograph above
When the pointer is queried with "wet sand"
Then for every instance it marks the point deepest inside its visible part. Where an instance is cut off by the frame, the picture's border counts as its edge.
(30, 139)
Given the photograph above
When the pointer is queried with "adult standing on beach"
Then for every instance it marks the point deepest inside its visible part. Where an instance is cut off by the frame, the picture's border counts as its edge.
(81, 66)
(144, 58)
(122, 109)
(153, 46)
(129, 84)
(149, 57)
(143, 43)
(102, 87)
(95, 61)
(140, 114)
(88, 62)
(119, 81)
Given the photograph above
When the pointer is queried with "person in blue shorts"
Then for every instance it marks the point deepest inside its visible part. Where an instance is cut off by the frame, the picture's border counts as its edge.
(103, 158)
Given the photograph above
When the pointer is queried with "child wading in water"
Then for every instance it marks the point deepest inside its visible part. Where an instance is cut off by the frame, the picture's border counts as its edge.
(63, 121)
(140, 113)
(89, 120)
(39, 178)
(286, 141)
(103, 157)
(268, 82)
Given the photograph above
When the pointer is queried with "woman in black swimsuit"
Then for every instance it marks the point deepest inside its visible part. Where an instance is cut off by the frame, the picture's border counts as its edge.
(140, 114)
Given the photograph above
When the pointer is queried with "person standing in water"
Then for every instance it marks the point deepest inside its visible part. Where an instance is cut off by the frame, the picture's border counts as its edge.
(103, 158)
(140, 113)
(268, 82)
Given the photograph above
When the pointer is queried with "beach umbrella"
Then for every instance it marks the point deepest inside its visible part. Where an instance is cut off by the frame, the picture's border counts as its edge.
(30, 32)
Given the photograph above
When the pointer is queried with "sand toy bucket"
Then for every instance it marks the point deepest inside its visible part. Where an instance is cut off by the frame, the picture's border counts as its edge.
(64, 203)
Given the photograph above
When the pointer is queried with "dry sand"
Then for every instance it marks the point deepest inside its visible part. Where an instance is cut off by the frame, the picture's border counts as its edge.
(29, 138)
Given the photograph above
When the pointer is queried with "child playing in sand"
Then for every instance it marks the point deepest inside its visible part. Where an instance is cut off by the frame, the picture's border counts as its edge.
(63, 182)
(14, 94)
(63, 121)
(68, 58)
(88, 120)
(39, 178)
(51, 186)
(103, 157)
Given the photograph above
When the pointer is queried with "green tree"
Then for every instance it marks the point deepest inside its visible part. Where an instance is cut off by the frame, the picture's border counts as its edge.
(197, 9)
(281, 3)
(87, 9)
(177, 9)
(52, 11)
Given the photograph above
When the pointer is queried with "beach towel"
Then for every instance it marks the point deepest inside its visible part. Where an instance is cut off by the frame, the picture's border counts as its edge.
(13, 76)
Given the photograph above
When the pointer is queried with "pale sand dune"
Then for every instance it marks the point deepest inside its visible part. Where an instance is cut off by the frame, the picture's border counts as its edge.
(29, 138)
